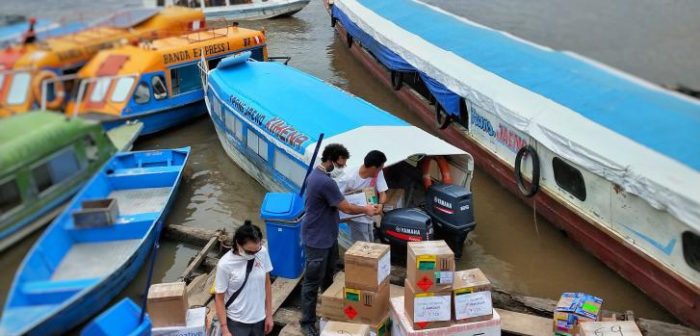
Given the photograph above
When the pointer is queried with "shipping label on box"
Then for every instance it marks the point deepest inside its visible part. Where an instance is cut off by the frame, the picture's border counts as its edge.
(472, 305)
(428, 307)
(609, 328)
(384, 267)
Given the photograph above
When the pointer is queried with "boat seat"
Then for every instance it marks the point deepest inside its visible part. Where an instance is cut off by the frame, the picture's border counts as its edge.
(52, 292)
(144, 170)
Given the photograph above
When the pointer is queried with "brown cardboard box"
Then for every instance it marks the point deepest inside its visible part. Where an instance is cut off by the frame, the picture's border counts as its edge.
(395, 199)
(383, 328)
(430, 266)
(426, 310)
(367, 266)
(364, 306)
(335, 328)
(332, 301)
(471, 296)
(611, 328)
(167, 304)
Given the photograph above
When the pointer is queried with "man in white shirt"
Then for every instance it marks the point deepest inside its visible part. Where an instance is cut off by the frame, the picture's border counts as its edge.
(369, 175)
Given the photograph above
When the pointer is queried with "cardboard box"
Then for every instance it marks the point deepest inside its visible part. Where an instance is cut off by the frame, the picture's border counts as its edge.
(167, 304)
(367, 266)
(427, 310)
(401, 326)
(471, 296)
(361, 198)
(430, 266)
(610, 328)
(335, 328)
(332, 304)
(395, 199)
(383, 328)
(194, 326)
(365, 306)
(573, 309)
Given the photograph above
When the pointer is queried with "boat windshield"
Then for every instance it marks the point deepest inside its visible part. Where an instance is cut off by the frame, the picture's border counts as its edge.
(122, 88)
(99, 89)
(19, 88)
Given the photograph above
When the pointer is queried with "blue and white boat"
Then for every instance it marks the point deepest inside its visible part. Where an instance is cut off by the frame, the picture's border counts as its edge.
(269, 116)
(122, 319)
(74, 270)
(610, 158)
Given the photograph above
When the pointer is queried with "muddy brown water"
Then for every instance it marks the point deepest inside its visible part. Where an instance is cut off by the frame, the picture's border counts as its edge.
(517, 250)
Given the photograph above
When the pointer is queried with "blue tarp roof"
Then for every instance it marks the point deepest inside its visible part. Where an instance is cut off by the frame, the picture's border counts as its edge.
(307, 103)
(653, 118)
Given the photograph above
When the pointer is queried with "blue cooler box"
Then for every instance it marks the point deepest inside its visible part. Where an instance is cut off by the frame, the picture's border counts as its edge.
(282, 214)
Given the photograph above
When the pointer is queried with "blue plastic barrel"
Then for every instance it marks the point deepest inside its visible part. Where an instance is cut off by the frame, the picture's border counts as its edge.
(282, 214)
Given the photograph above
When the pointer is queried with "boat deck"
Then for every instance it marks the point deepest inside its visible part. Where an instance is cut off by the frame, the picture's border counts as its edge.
(94, 260)
(137, 201)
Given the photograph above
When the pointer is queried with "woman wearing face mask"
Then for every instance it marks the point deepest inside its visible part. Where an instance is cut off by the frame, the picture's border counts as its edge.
(243, 290)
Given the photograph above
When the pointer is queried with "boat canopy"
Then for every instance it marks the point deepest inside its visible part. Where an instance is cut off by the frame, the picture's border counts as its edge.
(292, 108)
(29, 136)
(629, 131)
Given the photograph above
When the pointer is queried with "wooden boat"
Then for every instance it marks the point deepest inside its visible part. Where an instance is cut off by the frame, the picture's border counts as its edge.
(158, 82)
(83, 259)
(269, 117)
(122, 319)
(610, 158)
(44, 160)
(237, 9)
(29, 71)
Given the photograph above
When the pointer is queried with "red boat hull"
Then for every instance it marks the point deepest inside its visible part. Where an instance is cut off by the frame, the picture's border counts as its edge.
(677, 295)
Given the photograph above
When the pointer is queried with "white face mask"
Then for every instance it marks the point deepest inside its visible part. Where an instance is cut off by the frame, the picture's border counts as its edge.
(336, 172)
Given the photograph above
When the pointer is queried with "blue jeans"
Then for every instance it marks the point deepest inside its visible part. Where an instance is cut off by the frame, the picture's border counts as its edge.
(320, 266)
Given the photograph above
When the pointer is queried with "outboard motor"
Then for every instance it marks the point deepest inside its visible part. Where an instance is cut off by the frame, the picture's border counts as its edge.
(405, 225)
(450, 207)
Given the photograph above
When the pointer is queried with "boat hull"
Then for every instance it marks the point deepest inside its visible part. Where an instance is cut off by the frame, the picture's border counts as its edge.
(677, 295)
(158, 121)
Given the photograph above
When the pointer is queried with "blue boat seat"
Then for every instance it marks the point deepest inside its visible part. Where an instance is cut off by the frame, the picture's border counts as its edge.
(48, 291)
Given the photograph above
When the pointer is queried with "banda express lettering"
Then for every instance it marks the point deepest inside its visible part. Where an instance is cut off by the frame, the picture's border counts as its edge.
(286, 132)
(186, 55)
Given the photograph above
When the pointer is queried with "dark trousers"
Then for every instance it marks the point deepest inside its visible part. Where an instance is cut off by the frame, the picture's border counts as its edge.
(320, 267)
(245, 329)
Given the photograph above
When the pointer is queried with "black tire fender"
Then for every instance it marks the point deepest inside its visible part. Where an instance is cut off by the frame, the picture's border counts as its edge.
(535, 184)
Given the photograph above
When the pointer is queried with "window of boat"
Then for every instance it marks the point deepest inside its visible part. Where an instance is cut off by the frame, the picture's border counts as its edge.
(19, 88)
(569, 178)
(215, 3)
(160, 91)
(289, 168)
(216, 109)
(10, 197)
(691, 249)
(185, 79)
(99, 89)
(55, 170)
(257, 144)
(122, 88)
(142, 94)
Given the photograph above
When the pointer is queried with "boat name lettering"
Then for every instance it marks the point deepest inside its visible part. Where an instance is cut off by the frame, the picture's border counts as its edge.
(442, 202)
(211, 49)
(249, 112)
(410, 231)
(286, 132)
(483, 123)
(509, 138)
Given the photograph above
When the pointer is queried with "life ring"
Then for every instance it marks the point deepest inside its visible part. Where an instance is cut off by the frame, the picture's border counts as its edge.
(535, 184)
(349, 38)
(396, 80)
(443, 165)
(442, 119)
(59, 91)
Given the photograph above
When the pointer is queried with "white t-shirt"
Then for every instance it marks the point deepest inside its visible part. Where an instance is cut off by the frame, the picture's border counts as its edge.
(249, 306)
(351, 181)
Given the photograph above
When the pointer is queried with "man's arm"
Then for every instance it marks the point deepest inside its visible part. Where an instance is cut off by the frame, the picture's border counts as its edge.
(352, 209)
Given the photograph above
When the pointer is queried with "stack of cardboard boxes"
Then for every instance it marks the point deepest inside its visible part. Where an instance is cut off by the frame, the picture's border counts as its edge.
(574, 309)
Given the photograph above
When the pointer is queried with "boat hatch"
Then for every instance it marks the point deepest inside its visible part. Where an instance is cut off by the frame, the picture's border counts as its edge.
(112, 65)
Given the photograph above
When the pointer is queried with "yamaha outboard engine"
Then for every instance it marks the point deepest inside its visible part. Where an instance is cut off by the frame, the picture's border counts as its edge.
(450, 207)
(404, 225)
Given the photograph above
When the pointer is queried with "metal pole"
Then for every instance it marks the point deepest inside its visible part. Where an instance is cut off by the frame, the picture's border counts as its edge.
(311, 164)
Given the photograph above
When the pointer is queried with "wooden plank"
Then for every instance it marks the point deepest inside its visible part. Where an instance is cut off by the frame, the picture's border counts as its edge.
(292, 329)
(281, 289)
(193, 235)
(198, 289)
(200, 257)
(522, 324)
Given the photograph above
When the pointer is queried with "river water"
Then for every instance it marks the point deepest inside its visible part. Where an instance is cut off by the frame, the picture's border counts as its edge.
(654, 39)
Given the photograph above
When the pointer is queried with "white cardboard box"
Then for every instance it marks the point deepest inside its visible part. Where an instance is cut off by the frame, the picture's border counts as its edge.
(402, 326)
(196, 325)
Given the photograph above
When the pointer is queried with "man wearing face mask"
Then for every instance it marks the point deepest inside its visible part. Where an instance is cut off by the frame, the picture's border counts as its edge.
(369, 175)
(319, 229)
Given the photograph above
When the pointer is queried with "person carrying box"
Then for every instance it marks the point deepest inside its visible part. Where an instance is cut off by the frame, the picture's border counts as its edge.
(319, 230)
(368, 175)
